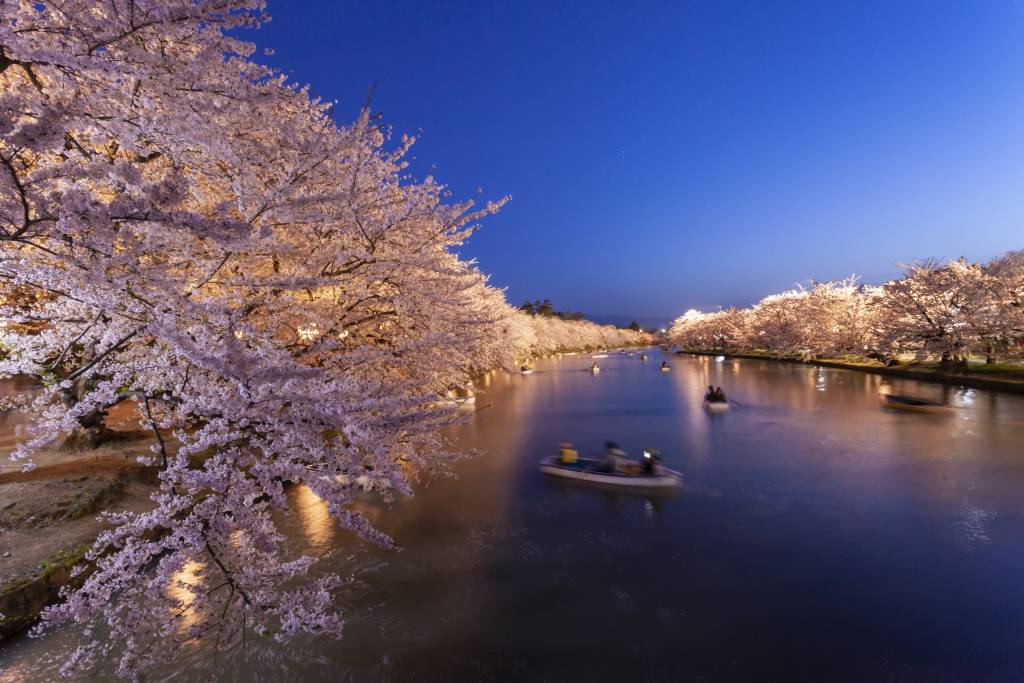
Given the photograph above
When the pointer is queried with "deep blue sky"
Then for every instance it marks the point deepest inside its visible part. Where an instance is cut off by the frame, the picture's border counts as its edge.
(663, 156)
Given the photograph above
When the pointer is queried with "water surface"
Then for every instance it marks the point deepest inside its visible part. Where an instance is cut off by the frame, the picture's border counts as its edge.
(818, 536)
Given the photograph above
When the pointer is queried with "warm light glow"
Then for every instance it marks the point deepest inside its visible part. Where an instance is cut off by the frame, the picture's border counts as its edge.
(317, 523)
(182, 586)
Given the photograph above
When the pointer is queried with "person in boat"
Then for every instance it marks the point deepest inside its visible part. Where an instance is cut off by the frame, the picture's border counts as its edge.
(652, 462)
(719, 395)
(664, 364)
(595, 366)
(567, 455)
(615, 459)
(710, 396)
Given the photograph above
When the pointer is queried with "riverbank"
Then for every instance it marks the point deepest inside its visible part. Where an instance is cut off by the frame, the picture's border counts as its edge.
(998, 377)
(49, 518)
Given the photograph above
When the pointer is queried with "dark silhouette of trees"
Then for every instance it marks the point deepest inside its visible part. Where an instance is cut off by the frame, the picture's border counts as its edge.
(546, 308)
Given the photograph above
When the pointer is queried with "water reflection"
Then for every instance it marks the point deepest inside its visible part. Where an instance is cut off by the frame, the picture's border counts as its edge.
(318, 527)
(183, 587)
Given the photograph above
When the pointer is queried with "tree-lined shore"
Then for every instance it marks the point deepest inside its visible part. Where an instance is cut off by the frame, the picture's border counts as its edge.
(938, 316)
(186, 229)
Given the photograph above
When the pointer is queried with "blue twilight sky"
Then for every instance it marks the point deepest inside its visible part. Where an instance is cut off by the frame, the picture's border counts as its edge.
(663, 156)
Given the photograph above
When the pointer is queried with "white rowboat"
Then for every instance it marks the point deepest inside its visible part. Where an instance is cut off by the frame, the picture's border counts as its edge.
(587, 470)
(716, 406)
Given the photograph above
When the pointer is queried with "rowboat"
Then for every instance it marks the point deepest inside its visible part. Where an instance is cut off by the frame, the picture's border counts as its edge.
(590, 471)
(716, 406)
(914, 405)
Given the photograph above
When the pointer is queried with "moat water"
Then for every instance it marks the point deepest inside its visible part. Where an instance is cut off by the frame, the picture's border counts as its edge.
(817, 536)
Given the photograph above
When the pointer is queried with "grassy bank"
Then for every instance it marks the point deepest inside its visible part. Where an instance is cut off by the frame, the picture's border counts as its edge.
(992, 376)
(23, 599)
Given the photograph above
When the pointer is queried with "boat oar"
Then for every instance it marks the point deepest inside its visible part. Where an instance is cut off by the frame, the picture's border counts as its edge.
(732, 400)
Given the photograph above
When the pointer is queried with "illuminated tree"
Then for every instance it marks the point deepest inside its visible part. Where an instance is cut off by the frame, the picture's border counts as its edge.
(202, 239)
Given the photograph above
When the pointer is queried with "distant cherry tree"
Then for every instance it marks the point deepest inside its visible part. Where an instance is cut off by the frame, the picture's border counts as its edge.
(932, 307)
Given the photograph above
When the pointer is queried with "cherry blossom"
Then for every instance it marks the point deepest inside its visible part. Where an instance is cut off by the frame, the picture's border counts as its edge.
(184, 228)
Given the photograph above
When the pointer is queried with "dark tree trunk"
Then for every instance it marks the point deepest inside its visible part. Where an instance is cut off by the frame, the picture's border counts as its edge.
(92, 428)
(88, 438)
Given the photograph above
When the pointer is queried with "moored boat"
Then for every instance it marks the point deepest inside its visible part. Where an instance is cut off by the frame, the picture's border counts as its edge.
(589, 471)
(915, 405)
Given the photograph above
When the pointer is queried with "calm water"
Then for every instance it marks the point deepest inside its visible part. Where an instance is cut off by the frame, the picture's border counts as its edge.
(817, 537)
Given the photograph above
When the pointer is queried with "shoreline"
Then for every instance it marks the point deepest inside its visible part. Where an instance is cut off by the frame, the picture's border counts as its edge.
(1011, 386)
(50, 521)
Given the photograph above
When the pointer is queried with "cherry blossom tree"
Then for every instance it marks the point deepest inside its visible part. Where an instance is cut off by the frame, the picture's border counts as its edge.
(778, 321)
(283, 304)
(932, 307)
(720, 330)
(839, 317)
(1004, 285)
(185, 229)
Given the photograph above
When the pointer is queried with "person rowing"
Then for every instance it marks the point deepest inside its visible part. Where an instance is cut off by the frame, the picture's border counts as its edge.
(651, 464)
(715, 395)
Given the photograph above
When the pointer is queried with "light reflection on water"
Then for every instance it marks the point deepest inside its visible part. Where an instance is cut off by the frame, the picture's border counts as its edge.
(818, 537)
(311, 510)
(182, 587)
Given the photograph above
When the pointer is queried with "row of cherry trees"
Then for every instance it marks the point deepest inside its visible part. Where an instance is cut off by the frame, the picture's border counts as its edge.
(548, 334)
(945, 310)
(184, 228)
